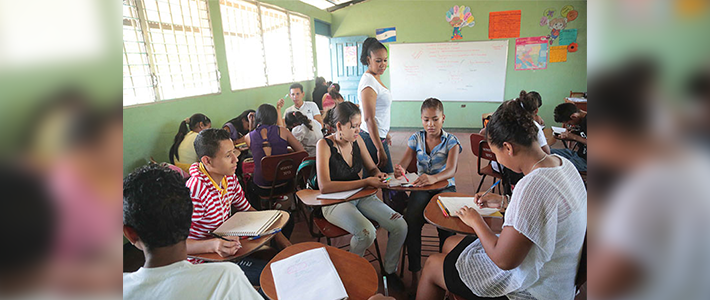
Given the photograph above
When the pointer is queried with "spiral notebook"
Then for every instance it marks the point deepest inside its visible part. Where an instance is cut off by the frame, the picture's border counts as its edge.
(453, 204)
(248, 223)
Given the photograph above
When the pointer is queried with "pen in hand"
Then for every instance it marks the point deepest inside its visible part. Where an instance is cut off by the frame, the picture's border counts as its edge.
(489, 189)
(220, 237)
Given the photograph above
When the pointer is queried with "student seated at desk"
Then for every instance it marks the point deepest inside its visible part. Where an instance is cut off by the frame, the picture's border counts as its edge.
(437, 154)
(537, 253)
(214, 190)
(268, 139)
(156, 219)
(575, 120)
(332, 97)
(182, 152)
(308, 109)
(340, 160)
(240, 126)
(307, 132)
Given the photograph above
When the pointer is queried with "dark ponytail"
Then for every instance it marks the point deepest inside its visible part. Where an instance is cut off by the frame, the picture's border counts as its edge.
(511, 123)
(335, 92)
(297, 118)
(368, 46)
(528, 101)
(185, 127)
(342, 113)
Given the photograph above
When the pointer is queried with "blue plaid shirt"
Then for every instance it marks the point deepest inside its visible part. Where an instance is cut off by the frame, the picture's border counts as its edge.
(435, 162)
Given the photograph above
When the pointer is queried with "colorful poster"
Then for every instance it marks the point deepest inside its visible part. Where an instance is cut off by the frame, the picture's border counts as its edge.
(504, 24)
(568, 36)
(350, 56)
(558, 54)
(459, 17)
(386, 35)
(531, 53)
(557, 25)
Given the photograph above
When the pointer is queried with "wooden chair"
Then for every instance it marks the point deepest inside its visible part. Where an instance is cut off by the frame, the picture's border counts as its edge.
(480, 149)
(280, 170)
(576, 94)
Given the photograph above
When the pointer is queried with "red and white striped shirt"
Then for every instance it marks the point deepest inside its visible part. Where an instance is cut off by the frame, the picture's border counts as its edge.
(210, 208)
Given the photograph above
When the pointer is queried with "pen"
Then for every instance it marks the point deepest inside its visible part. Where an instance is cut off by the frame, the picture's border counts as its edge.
(489, 189)
(387, 179)
(443, 209)
(384, 281)
(220, 237)
(265, 234)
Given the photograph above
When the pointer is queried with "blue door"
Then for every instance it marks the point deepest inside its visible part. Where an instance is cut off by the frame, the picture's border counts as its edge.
(345, 71)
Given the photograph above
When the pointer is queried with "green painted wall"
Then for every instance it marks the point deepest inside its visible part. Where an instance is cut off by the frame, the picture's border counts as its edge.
(148, 129)
(425, 21)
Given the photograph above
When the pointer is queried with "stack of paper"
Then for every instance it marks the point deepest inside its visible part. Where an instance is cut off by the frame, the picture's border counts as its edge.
(454, 204)
(309, 275)
(339, 195)
(578, 100)
(248, 223)
(403, 182)
(557, 130)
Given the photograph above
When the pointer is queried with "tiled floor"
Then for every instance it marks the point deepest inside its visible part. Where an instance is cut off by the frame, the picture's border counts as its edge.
(467, 180)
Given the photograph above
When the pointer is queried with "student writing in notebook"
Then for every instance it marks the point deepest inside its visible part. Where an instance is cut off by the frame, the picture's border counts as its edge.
(215, 192)
(436, 153)
(537, 253)
(156, 219)
(341, 158)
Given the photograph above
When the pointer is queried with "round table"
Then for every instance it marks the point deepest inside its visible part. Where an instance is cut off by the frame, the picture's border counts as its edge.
(248, 247)
(433, 215)
(357, 274)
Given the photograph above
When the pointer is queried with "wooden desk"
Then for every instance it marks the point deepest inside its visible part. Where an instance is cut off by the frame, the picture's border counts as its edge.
(248, 247)
(310, 197)
(433, 215)
(356, 273)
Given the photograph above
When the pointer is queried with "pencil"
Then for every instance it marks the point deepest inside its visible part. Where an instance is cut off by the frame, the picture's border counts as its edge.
(220, 237)
(443, 209)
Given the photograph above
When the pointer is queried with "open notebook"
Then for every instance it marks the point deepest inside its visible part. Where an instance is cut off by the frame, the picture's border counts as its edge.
(248, 223)
(453, 204)
(403, 182)
(339, 195)
(557, 130)
(309, 275)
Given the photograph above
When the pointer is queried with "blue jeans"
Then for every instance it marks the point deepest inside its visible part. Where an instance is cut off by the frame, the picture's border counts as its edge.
(388, 168)
(252, 269)
(578, 162)
(354, 217)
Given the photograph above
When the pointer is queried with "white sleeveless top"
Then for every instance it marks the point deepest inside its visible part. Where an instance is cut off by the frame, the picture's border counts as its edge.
(382, 106)
(549, 207)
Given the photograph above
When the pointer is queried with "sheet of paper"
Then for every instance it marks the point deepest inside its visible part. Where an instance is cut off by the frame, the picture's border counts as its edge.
(403, 182)
(339, 195)
(558, 130)
(581, 100)
(309, 275)
(504, 24)
(558, 54)
(453, 204)
(568, 36)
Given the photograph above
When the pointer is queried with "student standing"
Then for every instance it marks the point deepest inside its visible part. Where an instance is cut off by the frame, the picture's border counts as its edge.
(376, 101)
(537, 253)
(156, 219)
(436, 153)
(338, 164)
(182, 152)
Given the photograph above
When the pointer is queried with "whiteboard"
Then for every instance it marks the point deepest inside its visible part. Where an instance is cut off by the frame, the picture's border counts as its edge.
(462, 71)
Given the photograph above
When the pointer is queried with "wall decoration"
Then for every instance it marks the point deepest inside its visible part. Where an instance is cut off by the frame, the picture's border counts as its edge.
(558, 54)
(556, 25)
(350, 56)
(572, 47)
(531, 53)
(568, 36)
(386, 35)
(458, 17)
(504, 24)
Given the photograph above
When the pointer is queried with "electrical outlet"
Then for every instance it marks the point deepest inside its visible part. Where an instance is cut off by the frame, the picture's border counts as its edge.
(463, 105)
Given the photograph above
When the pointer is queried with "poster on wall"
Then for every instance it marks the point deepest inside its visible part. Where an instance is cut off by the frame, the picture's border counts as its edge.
(504, 24)
(557, 25)
(350, 56)
(386, 35)
(458, 17)
(531, 53)
(558, 54)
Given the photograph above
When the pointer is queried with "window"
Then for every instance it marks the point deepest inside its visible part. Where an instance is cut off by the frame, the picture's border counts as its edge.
(168, 50)
(265, 44)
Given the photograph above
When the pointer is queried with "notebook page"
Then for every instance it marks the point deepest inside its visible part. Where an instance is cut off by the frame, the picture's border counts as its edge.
(309, 275)
(403, 182)
(453, 204)
(248, 223)
(339, 195)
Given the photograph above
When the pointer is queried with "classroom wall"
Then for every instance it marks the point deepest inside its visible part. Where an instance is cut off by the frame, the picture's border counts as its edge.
(425, 21)
(149, 129)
